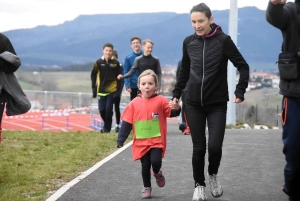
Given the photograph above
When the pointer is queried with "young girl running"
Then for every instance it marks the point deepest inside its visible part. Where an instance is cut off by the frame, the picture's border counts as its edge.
(147, 116)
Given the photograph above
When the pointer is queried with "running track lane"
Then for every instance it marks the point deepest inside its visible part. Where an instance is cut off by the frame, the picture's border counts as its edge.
(77, 122)
(29, 121)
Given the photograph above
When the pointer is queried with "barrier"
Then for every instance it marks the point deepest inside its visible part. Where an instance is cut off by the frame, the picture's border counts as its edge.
(96, 121)
(66, 115)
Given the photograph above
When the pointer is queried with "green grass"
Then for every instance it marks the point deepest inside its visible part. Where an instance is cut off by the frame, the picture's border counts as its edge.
(70, 81)
(28, 86)
(33, 165)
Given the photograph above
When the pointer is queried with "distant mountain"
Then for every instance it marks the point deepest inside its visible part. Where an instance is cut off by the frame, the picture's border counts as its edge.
(81, 40)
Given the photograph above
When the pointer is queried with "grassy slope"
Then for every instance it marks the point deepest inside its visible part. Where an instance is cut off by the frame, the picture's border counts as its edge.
(35, 164)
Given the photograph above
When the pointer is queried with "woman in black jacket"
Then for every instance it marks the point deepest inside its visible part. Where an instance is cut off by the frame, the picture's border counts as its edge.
(203, 75)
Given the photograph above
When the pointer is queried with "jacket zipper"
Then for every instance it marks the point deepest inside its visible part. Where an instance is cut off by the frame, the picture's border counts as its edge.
(203, 57)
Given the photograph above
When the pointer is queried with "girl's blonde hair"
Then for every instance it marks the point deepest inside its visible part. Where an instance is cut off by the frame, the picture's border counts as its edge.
(148, 72)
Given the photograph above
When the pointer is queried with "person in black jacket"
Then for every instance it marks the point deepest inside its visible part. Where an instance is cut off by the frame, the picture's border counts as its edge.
(203, 75)
(286, 17)
(117, 95)
(11, 93)
(146, 62)
(104, 76)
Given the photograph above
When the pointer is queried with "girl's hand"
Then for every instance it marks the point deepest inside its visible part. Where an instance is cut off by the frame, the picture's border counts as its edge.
(174, 104)
(177, 106)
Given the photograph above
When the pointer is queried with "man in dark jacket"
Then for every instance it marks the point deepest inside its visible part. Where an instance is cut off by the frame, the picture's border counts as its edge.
(11, 92)
(104, 77)
(286, 17)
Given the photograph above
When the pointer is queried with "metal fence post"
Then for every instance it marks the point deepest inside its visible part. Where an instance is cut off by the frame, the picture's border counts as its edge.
(45, 101)
(79, 100)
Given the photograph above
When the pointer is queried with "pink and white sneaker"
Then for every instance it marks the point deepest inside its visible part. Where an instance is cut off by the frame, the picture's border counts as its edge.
(160, 179)
(146, 192)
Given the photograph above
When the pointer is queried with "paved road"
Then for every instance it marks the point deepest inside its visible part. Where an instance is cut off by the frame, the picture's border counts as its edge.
(251, 169)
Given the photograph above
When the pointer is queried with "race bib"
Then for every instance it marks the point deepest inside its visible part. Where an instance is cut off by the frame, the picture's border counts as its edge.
(147, 129)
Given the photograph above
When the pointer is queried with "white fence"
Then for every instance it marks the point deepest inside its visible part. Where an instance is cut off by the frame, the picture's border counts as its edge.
(55, 100)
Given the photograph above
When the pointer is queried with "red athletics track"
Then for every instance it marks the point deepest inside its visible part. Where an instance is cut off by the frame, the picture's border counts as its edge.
(33, 121)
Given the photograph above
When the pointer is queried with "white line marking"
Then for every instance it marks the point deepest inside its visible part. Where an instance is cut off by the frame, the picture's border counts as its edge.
(52, 126)
(71, 124)
(8, 122)
(67, 186)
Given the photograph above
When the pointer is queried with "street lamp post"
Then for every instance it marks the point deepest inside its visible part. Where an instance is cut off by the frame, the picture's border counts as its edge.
(232, 31)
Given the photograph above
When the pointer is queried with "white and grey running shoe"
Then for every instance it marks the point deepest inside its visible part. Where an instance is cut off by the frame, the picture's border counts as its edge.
(199, 193)
(215, 186)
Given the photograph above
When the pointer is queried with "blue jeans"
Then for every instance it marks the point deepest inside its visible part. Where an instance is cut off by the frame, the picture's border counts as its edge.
(105, 105)
(291, 148)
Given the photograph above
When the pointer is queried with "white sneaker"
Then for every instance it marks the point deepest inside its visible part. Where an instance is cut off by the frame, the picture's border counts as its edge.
(215, 186)
(199, 193)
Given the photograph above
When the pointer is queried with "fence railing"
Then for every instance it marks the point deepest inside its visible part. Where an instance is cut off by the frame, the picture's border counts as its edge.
(51, 100)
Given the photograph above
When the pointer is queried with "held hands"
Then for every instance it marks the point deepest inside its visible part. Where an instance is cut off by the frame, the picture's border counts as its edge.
(129, 90)
(278, 1)
(236, 100)
(174, 104)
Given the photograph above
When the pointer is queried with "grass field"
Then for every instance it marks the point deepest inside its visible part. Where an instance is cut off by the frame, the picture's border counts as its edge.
(78, 81)
(36, 164)
(28, 86)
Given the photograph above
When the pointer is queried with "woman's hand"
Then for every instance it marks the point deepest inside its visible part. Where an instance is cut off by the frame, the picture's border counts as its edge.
(236, 100)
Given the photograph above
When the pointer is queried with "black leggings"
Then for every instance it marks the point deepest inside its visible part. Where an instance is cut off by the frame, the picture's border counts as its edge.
(117, 109)
(152, 157)
(215, 115)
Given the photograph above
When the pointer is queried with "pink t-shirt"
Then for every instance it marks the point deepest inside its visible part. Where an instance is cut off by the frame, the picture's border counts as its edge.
(146, 109)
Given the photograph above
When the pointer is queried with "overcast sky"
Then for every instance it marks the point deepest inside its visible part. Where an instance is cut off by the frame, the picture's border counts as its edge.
(17, 14)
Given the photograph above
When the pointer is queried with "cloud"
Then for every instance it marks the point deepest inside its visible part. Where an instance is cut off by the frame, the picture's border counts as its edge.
(31, 13)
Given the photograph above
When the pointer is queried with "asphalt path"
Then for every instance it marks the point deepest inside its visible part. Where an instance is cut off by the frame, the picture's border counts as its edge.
(251, 169)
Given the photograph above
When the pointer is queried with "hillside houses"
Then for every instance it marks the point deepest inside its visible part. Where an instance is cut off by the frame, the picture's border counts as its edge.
(258, 80)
